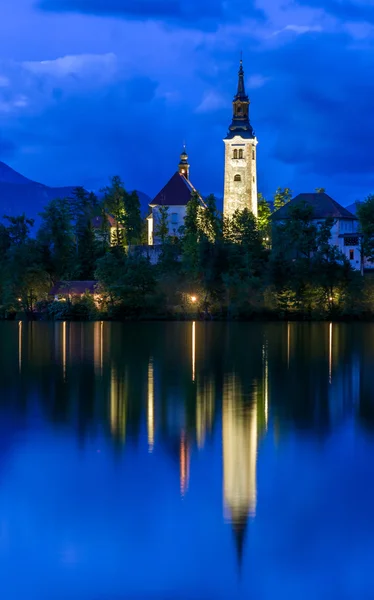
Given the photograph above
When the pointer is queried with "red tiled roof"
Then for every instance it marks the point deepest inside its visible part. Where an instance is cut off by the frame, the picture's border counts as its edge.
(73, 288)
(177, 192)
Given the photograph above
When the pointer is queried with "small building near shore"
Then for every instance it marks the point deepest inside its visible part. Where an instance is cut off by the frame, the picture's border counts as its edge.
(344, 232)
(69, 290)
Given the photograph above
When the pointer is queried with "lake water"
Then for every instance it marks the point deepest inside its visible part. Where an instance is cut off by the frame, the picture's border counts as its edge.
(186, 461)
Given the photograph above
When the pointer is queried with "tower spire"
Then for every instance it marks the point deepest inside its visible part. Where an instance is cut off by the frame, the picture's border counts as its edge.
(241, 86)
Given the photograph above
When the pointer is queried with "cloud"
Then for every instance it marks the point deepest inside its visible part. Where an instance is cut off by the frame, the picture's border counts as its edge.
(211, 102)
(205, 15)
(88, 65)
(299, 29)
(345, 10)
(256, 81)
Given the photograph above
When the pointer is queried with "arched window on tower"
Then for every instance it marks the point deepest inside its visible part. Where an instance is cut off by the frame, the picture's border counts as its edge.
(240, 153)
(235, 155)
(253, 154)
(237, 178)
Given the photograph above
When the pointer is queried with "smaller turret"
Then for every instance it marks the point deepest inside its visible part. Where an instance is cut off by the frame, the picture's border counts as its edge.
(184, 167)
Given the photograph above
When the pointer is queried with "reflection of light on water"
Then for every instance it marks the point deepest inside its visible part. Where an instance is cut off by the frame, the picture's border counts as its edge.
(330, 353)
(266, 382)
(101, 345)
(204, 412)
(184, 464)
(118, 401)
(150, 414)
(98, 346)
(64, 348)
(239, 431)
(20, 346)
(288, 344)
(193, 350)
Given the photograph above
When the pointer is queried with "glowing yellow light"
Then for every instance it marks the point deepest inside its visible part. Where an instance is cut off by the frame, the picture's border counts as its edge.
(330, 353)
(193, 299)
(20, 345)
(19, 299)
(184, 459)
(151, 412)
(193, 350)
(64, 348)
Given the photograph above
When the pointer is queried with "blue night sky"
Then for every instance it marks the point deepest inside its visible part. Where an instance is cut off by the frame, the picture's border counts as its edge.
(92, 88)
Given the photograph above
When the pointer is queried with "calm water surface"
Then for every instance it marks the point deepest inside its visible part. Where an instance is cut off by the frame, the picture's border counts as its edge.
(186, 461)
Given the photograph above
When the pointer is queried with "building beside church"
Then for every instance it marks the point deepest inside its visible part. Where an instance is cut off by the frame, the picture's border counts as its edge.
(175, 195)
(344, 232)
(240, 189)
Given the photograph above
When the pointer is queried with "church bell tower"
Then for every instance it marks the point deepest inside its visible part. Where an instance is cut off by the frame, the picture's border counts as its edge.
(240, 156)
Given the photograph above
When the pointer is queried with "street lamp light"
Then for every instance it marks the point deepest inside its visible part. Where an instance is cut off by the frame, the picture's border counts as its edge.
(193, 299)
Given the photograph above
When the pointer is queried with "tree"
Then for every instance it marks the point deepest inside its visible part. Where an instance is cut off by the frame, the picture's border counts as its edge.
(210, 221)
(281, 197)
(263, 219)
(56, 234)
(124, 207)
(18, 229)
(26, 279)
(161, 230)
(365, 214)
(132, 220)
(320, 190)
(114, 205)
(84, 206)
(128, 282)
(190, 237)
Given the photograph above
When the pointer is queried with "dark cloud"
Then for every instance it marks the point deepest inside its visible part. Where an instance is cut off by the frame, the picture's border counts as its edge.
(343, 9)
(203, 15)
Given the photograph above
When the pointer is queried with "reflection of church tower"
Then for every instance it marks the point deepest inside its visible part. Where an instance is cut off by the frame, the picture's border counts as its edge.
(118, 405)
(240, 156)
(239, 429)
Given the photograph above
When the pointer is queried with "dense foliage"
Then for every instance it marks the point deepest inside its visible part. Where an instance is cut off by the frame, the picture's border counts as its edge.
(241, 267)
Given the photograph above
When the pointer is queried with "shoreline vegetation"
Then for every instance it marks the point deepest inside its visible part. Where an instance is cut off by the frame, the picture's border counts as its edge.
(217, 268)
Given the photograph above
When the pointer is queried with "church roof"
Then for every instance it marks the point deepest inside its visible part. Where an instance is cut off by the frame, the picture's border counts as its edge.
(177, 192)
(323, 207)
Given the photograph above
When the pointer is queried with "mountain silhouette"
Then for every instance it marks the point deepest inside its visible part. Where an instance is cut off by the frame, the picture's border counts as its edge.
(19, 195)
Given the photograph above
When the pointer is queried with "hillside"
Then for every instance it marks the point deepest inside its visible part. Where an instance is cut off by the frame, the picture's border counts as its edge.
(18, 194)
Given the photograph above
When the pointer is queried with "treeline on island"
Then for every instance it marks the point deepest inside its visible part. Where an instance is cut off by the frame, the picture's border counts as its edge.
(222, 268)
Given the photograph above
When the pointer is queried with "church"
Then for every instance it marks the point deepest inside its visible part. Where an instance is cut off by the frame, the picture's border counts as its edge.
(240, 188)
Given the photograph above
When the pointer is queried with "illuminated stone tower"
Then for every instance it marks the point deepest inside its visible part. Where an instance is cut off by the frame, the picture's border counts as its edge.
(240, 156)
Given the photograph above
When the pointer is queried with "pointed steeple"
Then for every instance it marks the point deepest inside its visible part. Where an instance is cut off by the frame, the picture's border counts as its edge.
(241, 95)
(240, 527)
(240, 121)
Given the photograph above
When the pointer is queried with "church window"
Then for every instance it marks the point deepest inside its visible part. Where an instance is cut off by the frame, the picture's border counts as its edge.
(240, 153)
(253, 178)
(253, 154)
(174, 218)
(351, 254)
(235, 154)
(237, 178)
